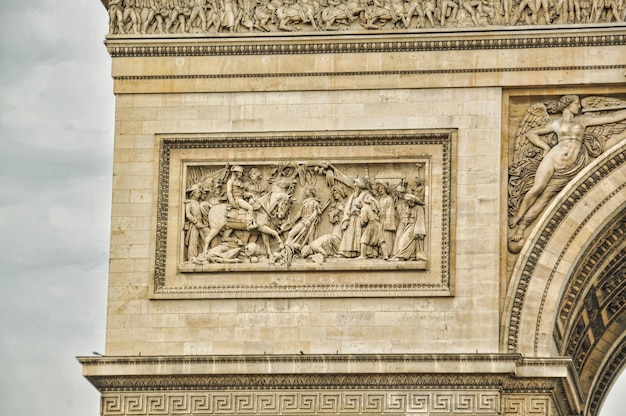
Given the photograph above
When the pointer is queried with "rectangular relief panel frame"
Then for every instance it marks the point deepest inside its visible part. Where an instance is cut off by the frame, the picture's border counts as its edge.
(298, 215)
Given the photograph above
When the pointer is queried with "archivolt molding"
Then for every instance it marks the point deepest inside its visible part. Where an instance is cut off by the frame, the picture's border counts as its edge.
(595, 287)
(602, 257)
(606, 376)
(546, 260)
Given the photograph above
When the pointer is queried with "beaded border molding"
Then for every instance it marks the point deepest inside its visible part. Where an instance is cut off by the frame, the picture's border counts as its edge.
(307, 43)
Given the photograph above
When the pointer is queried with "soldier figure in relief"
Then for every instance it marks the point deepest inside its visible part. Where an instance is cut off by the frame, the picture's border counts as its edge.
(303, 232)
(116, 17)
(193, 223)
(236, 195)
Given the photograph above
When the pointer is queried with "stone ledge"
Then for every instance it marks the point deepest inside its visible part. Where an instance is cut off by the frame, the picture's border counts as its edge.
(304, 374)
(326, 364)
(367, 42)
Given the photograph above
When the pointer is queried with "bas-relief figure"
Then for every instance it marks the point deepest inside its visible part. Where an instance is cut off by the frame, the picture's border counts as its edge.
(551, 150)
(206, 16)
(314, 212)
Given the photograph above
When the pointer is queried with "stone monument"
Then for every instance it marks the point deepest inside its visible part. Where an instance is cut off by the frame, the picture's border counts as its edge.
(383, 207)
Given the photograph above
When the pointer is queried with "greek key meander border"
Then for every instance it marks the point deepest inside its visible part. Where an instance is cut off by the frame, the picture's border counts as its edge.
(295, 402)
(593, 178)
(263, 47)
(170, 142)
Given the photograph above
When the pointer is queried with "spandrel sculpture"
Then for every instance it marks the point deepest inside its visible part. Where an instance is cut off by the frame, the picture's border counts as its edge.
(551, 150)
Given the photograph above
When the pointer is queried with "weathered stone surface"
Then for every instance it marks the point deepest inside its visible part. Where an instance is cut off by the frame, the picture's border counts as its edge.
(476, 314)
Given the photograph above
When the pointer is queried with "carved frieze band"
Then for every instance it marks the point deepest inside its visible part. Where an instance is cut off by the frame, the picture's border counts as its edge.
(302, 403)
(527, 405)
(147, 48)
(133, 17)
(335, 403)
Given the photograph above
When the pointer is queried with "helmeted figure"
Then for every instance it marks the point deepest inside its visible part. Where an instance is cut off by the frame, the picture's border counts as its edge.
(236, 195)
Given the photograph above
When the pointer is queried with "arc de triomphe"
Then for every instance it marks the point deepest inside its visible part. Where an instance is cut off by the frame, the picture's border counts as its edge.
(383, 207)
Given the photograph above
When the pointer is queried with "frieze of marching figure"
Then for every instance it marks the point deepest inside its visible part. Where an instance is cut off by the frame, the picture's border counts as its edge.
(304, 212)
(134, 17)
(554, 141)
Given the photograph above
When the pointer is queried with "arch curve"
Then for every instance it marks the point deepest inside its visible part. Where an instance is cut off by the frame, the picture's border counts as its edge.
(567, 292)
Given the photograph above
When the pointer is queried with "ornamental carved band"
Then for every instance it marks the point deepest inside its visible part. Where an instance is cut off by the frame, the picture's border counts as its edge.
(132, 17)
(523, 405)
(233, 213)
(305, 403)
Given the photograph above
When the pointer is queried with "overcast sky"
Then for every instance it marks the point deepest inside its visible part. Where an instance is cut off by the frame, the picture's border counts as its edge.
(56, 130)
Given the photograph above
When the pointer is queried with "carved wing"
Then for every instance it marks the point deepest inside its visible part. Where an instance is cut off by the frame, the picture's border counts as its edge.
(596, 103)
(596, 136)
(526, 156)
(535, 116)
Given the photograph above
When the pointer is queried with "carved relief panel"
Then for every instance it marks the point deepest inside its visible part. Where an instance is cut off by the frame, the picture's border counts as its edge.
(132, 17)
(551, 140)
(303, 215)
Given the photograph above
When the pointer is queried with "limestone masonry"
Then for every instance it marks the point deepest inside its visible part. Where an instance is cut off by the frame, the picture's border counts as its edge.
(336, 207)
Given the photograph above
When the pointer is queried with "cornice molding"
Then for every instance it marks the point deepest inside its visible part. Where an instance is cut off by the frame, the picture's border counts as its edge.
(291, 359)
(306, 370)
(307, 43)
(461, 378)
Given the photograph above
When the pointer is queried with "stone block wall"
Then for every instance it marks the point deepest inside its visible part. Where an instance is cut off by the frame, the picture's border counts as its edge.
(140, 323)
